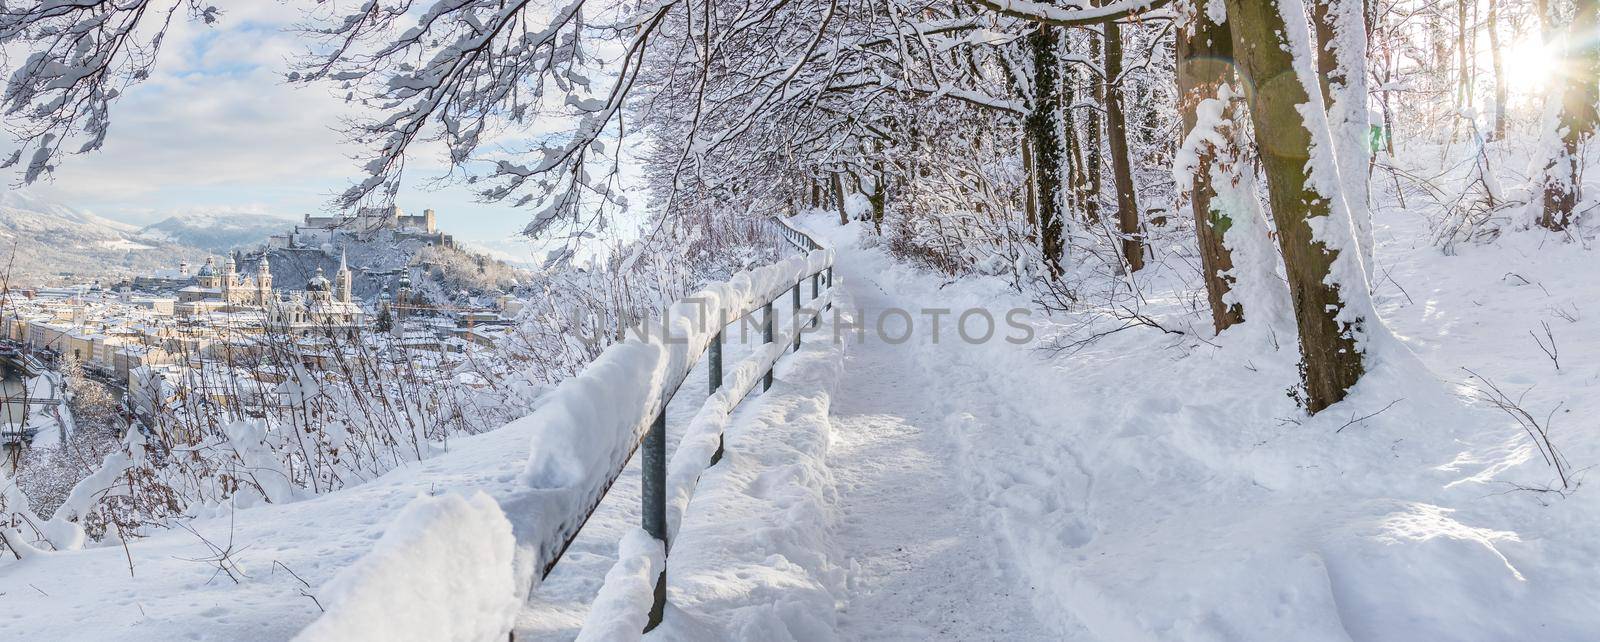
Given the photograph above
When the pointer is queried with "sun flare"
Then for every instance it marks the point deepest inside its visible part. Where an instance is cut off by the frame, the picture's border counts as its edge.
(1530, 66)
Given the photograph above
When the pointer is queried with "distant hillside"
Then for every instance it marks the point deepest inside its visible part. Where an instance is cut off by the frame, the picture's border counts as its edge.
(218, 232)
(439, 275)
(50, 239)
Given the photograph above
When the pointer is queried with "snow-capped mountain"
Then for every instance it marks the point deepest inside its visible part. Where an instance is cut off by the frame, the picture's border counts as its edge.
(216, 232)
(42, 242)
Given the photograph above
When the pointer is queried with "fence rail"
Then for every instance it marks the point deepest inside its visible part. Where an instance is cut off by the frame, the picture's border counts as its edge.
(818, 270)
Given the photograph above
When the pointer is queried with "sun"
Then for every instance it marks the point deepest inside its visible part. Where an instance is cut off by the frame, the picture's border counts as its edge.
(1530, 66)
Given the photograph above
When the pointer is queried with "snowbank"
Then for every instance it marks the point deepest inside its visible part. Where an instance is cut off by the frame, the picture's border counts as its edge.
(442, 571)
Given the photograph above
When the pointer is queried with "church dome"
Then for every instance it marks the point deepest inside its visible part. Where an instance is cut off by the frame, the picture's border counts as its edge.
(317, 283)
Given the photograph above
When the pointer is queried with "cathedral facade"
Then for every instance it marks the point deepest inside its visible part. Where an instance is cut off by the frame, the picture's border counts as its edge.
(324, 305)
(226, 288)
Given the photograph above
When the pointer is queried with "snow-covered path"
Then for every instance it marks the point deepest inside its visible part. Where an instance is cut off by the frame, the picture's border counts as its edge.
(922, 562)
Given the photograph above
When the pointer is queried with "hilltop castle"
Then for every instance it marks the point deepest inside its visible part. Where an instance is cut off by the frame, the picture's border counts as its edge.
(368, 220)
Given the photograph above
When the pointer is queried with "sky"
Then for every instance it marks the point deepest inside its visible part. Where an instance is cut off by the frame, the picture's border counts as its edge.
(215, 129)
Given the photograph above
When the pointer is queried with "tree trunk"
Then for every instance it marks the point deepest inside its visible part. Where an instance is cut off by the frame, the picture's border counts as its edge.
(1117, 136)
(1030, 210)
(1331, 307)
(1464, 81)
(1043, 127)
(1072, 142)
(1496, 60)
(1203, 49)
(838, 199)
(879, 198)
(1342, 70)
(1091, 166)
(1581, 74)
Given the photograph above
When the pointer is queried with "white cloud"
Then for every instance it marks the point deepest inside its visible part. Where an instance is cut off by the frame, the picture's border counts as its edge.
(216, 129)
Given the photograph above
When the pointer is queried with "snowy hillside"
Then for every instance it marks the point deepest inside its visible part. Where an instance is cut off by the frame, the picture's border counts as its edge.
(380, 260)
(216, 232)
(49, 239)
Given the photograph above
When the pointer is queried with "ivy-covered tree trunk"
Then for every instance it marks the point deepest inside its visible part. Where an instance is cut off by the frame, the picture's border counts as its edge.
(1121, 168)
(1581, 90)
(1326, 284)
(1043, 128)
(1090, 188)
(1204, 49)
(1030, 206)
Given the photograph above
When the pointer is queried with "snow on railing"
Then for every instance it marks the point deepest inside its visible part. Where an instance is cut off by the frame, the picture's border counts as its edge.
(622, 397)
(589, 427)
(639, 576)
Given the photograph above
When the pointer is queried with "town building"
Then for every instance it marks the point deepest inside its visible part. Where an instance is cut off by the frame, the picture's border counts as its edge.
(226, 290)
(324, 305)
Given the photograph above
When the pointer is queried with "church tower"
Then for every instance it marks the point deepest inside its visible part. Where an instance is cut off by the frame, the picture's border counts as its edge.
(230, 278)
(263, 281)
(317, 288)
(207, 276)
(342, 280)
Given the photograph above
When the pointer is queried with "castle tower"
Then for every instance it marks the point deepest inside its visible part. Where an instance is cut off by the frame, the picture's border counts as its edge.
(342, 280)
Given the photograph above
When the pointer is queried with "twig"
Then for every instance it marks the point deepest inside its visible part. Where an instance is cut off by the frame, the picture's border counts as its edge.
(1550, 350)
(1364, 418)
(303, 581)
(1539, 433)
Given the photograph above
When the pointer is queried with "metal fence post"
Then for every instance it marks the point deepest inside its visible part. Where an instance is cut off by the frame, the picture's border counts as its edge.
(814, 278)
(714, 364)
(714, 373)
(796, 317)
(766, 335)
(830, 285)
(654, 477)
